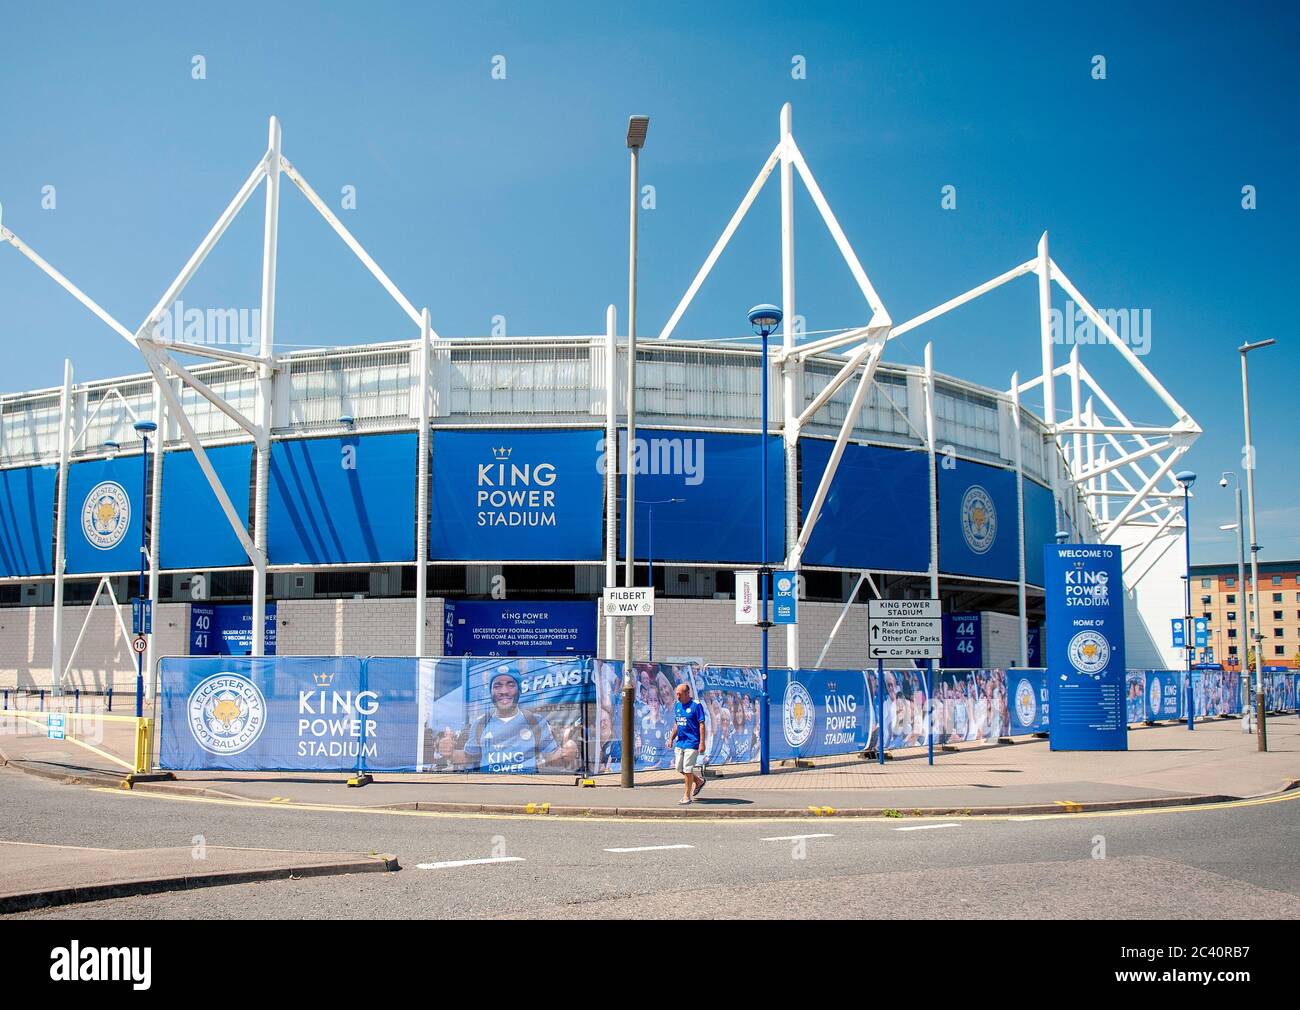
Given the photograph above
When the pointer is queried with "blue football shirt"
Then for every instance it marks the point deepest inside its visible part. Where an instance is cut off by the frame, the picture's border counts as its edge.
(689, 719)
(508, 746)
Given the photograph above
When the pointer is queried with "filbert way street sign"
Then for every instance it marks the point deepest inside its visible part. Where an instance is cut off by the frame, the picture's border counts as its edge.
(904, 629)
(634, 601)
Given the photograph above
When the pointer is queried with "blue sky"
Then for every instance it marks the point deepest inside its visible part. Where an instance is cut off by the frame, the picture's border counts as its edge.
(486, 197)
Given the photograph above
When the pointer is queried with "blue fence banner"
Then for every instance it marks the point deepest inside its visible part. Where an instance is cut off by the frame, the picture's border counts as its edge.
(104, 514)
(963, 640)
(1135, 697)
(785, 598)
(652, 716)
(516, 496)
(226, 629)
(1085, 647)
(978, 515)
(348, 500)
(27, 520)
(378, 714)
(870, 481)
(518, 628)
(820, 712)
(1027, 700)
(1164, 695)
(1215, 692)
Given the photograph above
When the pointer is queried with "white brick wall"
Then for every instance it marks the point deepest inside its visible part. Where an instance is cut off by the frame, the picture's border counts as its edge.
(105, 655)
(366, 627)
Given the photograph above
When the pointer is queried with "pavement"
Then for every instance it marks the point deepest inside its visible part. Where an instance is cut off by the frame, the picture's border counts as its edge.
(1164, 765)
(38, 875)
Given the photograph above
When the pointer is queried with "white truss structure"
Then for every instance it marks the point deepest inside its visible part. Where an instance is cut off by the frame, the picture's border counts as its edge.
(1112, 475)
(1143, 459)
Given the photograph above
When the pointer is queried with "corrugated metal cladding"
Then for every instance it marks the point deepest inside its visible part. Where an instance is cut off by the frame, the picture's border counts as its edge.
(502, 386)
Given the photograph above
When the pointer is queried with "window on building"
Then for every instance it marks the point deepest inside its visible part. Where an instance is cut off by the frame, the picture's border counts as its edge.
(1277, 633)
(1277, 580)
(1279, 650)
(1205, 583)
(1277, 615)
(1277, 597)
(1232, 632)
(1232, 615)
(1230, 582)
(1232, 650)
(1232, 598)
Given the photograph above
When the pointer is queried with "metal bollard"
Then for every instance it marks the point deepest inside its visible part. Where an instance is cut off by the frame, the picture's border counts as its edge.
(42, 699)
(76, 699)
(110, 697)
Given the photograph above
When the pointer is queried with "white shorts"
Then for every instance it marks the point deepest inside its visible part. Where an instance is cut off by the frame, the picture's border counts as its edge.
(685, 759)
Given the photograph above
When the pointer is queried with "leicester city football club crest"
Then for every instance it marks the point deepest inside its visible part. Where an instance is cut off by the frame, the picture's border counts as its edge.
(106, 515)
(227, 713)
(797, 720)
(1026, 702)
(979, 519)
(1089, 652)
(1154, 696)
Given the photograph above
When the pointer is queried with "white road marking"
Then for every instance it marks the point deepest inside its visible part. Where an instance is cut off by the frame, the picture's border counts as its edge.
(651, 848)
(794, 838)
(928, 827)
(468, 862)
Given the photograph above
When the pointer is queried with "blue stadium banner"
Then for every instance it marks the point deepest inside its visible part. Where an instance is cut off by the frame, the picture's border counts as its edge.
(226, 629)
(348, 500)
(104, 515)
(889, 486)
(27, 520)
(1178, 626)
(1164, 695)
(195, 532)
(705, 480)
(519, 628)
(516, 496)
(978, 520)
(1085, 646)
(963, 640)
(1040, 530)
(785, 598)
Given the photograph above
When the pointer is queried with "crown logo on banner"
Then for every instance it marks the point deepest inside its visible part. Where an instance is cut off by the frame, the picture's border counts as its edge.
(323, 679)
(502, 452)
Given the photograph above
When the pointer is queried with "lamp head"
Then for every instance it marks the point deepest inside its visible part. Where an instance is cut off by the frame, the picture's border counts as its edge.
(637, 126)
(1062, 536)
(145, 427)
(764, 318)
(1186, 478)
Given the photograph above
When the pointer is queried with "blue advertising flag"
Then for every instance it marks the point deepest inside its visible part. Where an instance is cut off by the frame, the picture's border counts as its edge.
(1085, 647)
(1179, 627)
(785, 598)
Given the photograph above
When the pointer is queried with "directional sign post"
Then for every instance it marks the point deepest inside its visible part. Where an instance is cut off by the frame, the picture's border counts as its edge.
(634, 601)
(904, 629)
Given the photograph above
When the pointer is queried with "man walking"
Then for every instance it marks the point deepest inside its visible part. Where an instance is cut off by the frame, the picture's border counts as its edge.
(687, 739)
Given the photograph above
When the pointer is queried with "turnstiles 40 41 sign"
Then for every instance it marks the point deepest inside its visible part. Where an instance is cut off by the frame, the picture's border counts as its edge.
(1085, 646)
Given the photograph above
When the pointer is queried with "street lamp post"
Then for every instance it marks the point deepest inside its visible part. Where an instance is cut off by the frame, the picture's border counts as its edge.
(1244, 349)
(764, 319)
(1186, 478)
(1239, 527)
(636, 133)
(144, 428)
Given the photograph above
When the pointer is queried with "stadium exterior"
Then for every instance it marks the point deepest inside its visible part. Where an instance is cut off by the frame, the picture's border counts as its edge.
(318, 468)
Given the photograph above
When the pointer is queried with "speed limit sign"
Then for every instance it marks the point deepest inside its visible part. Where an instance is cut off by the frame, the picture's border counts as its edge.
(140, 643)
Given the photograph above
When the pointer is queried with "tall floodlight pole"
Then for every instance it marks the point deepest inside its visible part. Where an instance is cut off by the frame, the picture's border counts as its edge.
(636, 133)
(144, 428)
(1186, 478)
(791, 372)
(1245, 349)
(764, 319)
(422, 488)
(1239, 527)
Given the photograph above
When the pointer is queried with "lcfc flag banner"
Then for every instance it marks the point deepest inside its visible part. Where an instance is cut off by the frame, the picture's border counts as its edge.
(785, 598)
(1085, 647)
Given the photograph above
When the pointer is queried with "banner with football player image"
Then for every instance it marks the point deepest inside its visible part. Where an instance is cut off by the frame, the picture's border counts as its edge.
(1215, 692)
(1086, 676)
(516, 716)
(652, 714)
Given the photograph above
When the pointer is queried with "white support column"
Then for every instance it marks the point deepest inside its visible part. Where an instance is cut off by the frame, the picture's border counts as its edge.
(611, 465)
(934, 476)
(65, 435)
(265, 390)
(422, 489)
(790, 374)
(155, 530)
(1020, 518)
(1044, 271)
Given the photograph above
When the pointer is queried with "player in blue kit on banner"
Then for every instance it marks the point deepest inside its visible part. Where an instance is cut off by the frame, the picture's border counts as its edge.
(509, 740)
(688, 738)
